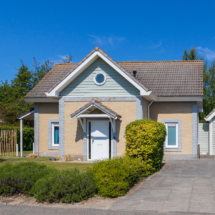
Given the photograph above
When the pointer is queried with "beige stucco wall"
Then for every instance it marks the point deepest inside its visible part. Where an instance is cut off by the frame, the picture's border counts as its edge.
(45, 113)
(73, 132)
(183, 112)
(73, 138)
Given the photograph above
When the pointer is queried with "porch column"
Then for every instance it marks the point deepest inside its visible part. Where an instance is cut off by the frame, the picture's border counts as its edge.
(21, 137)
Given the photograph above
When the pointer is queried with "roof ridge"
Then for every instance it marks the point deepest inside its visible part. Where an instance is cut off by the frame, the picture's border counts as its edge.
(162, 61)
(65, 63)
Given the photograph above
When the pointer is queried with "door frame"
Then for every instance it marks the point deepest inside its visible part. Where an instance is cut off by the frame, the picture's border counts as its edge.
(111, 140)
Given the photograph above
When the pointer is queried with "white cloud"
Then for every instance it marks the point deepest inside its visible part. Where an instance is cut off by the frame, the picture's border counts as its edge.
(209, 54)
(112, 40)
(156, 46)
(62, 56)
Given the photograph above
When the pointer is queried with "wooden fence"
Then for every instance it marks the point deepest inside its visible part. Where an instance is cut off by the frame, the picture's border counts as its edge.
(8, 141)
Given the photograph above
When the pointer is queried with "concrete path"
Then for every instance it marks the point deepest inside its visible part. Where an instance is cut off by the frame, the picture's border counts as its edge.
(181, 186)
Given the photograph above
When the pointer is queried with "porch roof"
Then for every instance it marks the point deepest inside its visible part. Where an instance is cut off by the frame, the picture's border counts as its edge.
(29, 115)
(91, 106)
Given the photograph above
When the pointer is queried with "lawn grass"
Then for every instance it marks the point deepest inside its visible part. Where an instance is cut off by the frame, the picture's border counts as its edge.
(45, 160)
(27, 152)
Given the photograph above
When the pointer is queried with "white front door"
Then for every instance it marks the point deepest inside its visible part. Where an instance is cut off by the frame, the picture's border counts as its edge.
(99, 139)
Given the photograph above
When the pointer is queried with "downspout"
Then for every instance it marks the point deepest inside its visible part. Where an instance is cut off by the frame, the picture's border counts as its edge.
(148, 109)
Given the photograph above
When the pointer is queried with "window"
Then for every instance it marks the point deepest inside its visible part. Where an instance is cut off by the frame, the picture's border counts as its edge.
(172, 135)
(99, 79)
(55, 134)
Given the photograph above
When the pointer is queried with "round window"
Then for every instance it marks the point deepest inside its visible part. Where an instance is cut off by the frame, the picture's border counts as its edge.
(99, 79)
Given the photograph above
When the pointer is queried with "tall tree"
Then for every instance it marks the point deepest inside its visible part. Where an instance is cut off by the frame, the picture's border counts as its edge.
(12, 95)
(190, 56)
(208, 82)
(41, 70)
(68, 58)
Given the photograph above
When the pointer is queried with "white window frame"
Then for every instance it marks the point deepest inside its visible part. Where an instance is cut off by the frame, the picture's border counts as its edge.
(166, 141)
(96, 81)
(53, 126)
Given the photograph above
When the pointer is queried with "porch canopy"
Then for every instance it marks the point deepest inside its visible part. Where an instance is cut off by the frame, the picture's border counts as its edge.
(28, 115)
(89, 111)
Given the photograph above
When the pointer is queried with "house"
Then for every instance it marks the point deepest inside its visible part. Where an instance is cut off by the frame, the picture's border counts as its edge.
(82, 109)
(207, 135)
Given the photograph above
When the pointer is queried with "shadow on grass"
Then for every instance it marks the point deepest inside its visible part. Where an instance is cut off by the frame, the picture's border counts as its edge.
(2, 160)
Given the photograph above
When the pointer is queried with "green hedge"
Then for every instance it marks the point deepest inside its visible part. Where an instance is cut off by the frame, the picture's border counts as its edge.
(114, 177)
(66, 186)
(28, 136)
(20, 178)
(145, 139)
(46, 184)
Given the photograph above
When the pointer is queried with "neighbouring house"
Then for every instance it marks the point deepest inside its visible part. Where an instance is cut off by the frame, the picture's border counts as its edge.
(82, 109)
(207, 135)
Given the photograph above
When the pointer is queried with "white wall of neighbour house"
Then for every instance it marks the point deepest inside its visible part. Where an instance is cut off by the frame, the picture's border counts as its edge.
(115, 84)
(213, 137)
(203, 138)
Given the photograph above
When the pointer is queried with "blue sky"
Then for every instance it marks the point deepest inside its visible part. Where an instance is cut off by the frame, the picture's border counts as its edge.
(126, 30)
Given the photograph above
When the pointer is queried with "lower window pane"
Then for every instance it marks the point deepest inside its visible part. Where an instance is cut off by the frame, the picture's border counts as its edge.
(56, 135)
(172, 135)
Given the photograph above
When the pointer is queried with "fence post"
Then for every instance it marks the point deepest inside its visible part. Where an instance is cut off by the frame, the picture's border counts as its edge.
(21, 137)
(198, 152)
(33, 148)
(17, 150)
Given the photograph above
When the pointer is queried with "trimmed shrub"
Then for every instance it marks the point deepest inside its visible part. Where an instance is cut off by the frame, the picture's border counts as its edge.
(21, 177)
(145, 139)
(65, 186)
(28, 136)
(115, 177)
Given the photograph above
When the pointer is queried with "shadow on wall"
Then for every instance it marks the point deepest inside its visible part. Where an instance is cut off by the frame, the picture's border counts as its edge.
(118, 126)
(79, 132)
(169, 111)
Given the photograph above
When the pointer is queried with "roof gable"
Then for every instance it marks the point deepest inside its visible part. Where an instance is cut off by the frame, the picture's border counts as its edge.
(84, 85)
(86, 62)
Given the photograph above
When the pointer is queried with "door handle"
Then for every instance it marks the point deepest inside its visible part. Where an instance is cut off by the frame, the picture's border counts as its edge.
(92, 141)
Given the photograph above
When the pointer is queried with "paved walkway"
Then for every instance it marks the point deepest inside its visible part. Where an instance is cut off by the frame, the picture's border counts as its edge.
(183, 186)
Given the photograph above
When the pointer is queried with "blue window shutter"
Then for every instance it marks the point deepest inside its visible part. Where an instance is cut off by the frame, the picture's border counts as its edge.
(172, 135)
(56, 135)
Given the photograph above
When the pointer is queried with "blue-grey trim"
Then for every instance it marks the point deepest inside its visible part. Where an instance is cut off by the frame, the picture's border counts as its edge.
(179, 135)
(173, 103)
(36, 129)
(61, 128)
(62, 99)
(50, 146)
(180, 156)
(195, 128)
(48, 154)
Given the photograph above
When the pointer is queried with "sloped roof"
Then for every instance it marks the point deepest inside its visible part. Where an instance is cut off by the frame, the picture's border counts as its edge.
(164, 78)
(210, 115)
(26, 113)
(96, 104)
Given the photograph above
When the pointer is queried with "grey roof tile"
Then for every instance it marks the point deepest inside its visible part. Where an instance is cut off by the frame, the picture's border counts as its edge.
(164, 78)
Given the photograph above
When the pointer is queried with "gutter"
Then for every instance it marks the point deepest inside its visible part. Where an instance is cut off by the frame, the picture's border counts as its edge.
(148, 109)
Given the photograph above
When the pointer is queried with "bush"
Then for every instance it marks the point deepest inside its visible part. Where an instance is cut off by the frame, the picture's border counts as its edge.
(65, 186)
(28, 136)
(21, 177)
(115, 177)
(145, 139)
